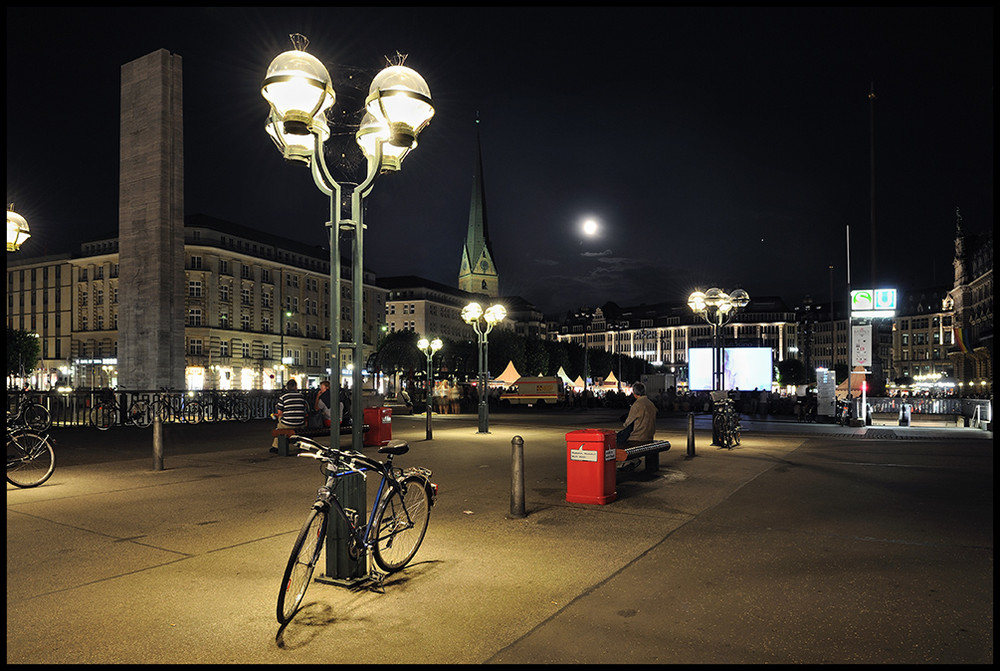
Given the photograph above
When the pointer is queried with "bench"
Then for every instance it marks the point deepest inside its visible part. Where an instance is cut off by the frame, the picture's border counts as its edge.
(309, 432)
(651, 452)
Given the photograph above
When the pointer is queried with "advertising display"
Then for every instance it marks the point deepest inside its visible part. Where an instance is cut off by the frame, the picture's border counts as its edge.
(744, 368)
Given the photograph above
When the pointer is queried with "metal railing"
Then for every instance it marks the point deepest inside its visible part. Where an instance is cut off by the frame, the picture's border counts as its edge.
(74, 408)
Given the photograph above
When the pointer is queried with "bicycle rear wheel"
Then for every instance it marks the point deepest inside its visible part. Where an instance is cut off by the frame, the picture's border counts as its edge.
(400, 524)
(301, 563)
(37, 417)
(104, 416)
(141, 414)
(192, 412)
(30, 459)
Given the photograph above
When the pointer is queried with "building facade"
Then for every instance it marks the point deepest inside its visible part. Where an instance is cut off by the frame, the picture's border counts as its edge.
(662, 334)
(257, 311)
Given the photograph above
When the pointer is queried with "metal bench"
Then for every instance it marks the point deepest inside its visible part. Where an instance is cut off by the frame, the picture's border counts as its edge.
(284, 434)
(651, 452)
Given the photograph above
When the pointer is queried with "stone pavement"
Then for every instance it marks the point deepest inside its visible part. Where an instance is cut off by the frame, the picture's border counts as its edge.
(807, 544)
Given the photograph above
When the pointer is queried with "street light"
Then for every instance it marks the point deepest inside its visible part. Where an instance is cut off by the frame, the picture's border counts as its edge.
(299, 92)
(717, 308)
(429, 347)
(17, 229)
(483, 322)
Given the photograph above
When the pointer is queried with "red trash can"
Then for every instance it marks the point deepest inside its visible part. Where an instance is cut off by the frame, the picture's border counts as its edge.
(379, 422)
(590, 466)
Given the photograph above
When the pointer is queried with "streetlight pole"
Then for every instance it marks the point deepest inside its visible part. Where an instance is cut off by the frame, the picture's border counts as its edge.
(299, 92)
(717, 308)
(429, 347)
(483, 322)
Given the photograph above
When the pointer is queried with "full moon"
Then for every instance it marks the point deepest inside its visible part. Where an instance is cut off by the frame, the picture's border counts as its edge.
(590, 227)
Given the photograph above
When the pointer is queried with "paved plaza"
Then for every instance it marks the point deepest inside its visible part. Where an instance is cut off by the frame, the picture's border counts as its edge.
(807, 544)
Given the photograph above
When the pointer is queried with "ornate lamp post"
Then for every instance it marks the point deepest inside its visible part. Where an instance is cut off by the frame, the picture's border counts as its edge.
(429, 347)
(718, 308)
(17, 230)
(483, 322)
(298, 90)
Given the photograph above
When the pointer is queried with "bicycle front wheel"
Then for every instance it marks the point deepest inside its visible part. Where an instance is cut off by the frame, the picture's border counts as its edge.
(301, 563)
(401, 523)
(30, 459)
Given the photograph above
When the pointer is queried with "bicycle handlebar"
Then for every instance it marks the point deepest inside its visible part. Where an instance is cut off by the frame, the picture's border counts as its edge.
(349, 458)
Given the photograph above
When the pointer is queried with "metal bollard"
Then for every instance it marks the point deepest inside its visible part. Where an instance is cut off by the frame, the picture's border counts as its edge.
(517, 477)
(157, 444)
(690, 451)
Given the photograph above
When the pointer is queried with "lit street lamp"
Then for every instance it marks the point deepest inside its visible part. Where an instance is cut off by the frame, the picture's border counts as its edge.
(429, 347)
(17, 229)
(299, 92)
(483, 322)
(717, 308)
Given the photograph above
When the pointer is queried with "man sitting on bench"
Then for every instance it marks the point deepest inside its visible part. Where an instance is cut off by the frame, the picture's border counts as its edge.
(291, 410)
(642, 418)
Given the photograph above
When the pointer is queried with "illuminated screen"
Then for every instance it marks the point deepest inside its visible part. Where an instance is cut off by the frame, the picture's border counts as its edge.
(746, 368)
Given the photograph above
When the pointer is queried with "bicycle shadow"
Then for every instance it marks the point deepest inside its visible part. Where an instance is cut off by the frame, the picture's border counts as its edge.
(310, 619)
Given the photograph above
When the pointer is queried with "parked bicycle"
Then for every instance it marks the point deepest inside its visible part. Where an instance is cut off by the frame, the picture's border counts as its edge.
(32, 414)
(107, 412)
(726, 425)
(31, 460)
(227, 406)
(844, 412)
(394, 530)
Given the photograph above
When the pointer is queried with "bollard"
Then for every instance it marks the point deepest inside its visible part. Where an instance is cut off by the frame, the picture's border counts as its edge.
(690, 452)
(517, 477)
(157, 444)
(343, 569)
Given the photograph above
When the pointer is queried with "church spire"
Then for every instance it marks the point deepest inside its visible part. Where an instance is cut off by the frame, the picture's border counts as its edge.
(478, 273)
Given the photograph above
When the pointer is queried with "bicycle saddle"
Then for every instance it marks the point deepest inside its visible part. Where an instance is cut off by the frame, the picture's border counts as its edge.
(395, 447)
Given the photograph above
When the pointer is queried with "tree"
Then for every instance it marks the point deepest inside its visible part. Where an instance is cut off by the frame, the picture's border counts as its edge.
(792, 371)
(23, 350)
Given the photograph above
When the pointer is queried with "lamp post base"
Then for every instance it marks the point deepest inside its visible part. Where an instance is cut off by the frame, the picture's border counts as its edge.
(484, 420)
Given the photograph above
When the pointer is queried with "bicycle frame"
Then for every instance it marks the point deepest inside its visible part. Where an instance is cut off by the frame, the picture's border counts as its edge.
(361, 535)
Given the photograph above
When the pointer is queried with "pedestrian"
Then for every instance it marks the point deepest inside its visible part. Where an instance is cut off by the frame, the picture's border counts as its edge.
(765, 400)
(291, 410)
(642, 420)
(323, 401)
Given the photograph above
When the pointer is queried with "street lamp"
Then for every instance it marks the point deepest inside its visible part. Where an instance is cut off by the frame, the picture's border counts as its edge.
(717, 308)
(17, 229)
(429, 347)
(483, 322)
(299, 93)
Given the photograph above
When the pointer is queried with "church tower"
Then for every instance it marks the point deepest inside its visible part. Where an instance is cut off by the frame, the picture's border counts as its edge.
(478, 273)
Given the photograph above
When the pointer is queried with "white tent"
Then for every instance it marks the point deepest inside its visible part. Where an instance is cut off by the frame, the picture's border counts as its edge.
(578, 383)
(561, 374)
(509, 376)
(610, 382)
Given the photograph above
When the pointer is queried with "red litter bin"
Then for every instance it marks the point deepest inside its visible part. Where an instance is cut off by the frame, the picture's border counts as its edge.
(590, 466)
(379, 422)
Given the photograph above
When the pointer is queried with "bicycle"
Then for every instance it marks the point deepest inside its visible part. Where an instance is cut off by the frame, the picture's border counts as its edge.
(844, 412)
(726, 424)
(107, 411)
(228, 406)
(33, 415)
(31, 460)
(392, 535)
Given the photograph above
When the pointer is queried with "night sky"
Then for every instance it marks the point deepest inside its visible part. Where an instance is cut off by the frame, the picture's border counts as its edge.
(716, 147)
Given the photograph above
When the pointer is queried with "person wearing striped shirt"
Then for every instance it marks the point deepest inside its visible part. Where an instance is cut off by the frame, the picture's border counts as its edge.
(291, 410)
